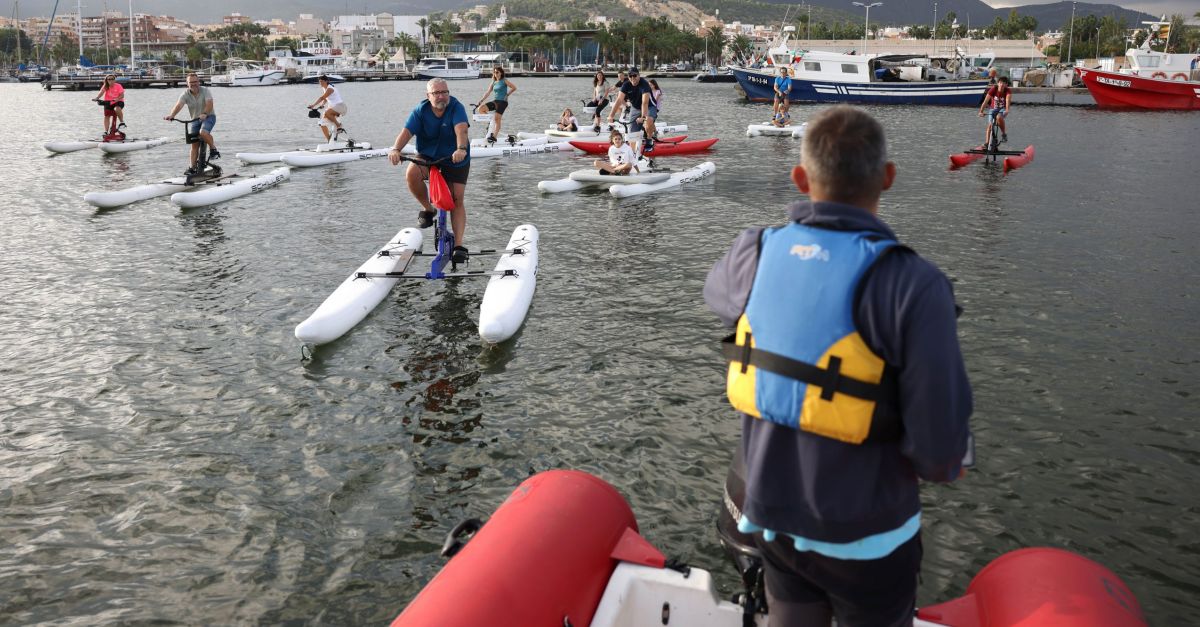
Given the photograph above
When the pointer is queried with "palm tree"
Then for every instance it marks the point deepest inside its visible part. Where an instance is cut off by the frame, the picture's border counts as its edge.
(424, 24)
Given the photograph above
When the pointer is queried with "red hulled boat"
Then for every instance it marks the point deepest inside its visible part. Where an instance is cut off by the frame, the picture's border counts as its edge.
(1129, 91)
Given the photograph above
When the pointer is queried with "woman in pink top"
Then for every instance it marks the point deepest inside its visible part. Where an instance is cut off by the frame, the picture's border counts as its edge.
(112, 95)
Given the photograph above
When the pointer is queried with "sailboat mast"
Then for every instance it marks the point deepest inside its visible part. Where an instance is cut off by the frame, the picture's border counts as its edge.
(79, 28)
(17, 19)
(132, 57)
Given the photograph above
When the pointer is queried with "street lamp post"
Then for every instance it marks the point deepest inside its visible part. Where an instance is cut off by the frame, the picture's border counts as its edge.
(866, 20)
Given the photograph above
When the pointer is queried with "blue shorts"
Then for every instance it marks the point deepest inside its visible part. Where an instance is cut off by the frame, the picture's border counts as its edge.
(206, 124)
(999, 111)
(634, 125)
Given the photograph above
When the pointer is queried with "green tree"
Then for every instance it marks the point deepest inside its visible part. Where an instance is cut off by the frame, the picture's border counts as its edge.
(423, 24)
(740, 46)
(920, 32)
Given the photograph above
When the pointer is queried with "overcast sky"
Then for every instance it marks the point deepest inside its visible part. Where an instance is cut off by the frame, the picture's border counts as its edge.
(210, 11)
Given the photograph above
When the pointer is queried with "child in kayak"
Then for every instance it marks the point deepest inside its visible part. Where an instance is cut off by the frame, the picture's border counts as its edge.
(567, 121)
(621, 160)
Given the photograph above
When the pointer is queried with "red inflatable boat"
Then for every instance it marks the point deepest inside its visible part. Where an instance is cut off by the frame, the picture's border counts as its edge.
(564, 550)
(662, 148)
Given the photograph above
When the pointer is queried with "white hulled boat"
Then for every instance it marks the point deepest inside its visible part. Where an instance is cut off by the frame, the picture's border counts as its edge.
(452, 67)
(313, 59)
(242, 73)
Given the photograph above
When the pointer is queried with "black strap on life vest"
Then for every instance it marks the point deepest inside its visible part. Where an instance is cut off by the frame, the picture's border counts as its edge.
(830, 380)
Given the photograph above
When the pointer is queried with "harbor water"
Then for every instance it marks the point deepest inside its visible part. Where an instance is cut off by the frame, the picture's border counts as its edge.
(167, 456)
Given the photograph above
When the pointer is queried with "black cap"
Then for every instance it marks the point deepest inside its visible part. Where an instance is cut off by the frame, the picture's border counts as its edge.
(633, 71)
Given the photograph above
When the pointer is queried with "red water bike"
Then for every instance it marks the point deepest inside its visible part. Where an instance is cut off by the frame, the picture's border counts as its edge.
(111, 131)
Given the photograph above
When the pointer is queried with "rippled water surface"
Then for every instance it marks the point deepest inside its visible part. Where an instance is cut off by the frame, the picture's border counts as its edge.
(166, 454)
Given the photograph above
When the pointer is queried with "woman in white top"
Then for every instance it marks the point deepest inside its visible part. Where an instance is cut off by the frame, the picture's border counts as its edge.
(335, 107)
(621, 159)
(600, 91)
(567, 121)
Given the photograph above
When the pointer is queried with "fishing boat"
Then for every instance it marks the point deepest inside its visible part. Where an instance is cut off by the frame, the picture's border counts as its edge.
(1150, 79)
(1115, 90)
(572, 542)
(242, 73)
(449, 67)
(822, 76)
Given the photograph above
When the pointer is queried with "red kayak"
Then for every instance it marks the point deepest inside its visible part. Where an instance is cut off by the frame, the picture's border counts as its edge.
(1014, 162)
(662, 148)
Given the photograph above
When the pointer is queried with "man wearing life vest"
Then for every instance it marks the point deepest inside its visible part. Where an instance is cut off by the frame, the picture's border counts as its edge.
(846, 368)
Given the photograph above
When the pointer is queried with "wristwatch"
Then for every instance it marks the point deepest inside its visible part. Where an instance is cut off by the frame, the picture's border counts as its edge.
(464, 147)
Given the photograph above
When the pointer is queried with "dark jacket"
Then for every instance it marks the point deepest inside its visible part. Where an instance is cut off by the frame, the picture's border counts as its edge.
(827, 490)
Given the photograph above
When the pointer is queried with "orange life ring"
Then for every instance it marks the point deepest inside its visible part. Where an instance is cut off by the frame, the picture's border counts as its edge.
(1158, 75)
(1180, 76)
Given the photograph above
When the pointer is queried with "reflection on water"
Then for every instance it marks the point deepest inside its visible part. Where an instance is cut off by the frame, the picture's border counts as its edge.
(159, 430)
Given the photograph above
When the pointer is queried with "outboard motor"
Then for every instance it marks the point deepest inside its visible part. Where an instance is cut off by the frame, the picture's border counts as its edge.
(740, 547)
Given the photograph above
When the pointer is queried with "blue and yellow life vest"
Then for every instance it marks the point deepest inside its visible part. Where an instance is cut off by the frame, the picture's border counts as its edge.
(797, 358)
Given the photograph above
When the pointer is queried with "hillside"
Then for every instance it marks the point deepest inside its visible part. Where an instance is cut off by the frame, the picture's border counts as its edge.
(974, 12)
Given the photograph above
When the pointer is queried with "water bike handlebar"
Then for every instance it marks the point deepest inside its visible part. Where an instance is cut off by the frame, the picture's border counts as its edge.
(422, 162)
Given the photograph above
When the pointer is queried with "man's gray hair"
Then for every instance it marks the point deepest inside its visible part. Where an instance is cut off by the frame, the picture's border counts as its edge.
(845, 152)
(434, 82)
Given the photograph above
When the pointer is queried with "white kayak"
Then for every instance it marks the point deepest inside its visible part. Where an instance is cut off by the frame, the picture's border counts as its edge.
(506, 299)
(511, 141)
(675, 180)
(229, 189)
(594, 176)
(313, 159)
(591, 177)
(796, 131)
(130, 145)
(271, 157)
(69, 146)
(355, 297)
(120, 197)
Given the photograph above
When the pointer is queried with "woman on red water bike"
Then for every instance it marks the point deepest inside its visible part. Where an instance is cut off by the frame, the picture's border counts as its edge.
(112, 97)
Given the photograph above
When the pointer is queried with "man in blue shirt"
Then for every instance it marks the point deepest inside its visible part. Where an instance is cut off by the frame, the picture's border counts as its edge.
(846, 369)
(783, 85)
(440, 125)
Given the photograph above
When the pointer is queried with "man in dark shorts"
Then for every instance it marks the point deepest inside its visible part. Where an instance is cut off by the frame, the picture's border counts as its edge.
(640, 95)
(440, 125)
(847, 373)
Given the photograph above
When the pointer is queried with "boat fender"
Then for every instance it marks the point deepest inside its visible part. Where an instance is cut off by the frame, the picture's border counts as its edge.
(1179, 76)
(1158, 75)
(1041, 587)
(556, 535)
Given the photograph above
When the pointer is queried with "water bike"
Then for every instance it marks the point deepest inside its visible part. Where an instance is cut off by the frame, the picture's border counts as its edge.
(113, 140)
(795, 131)
(202, 184)
(625, 185)
(991, 152)
(336, 145)
(505, 300)
(564, 549)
